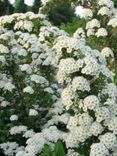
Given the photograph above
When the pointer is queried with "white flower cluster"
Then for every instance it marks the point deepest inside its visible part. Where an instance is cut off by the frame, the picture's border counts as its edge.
(79, 34)
(14, 117)
(5, 83)
(17, 130)
(104, 11)
(89, 100)
(22, 21)
(80, 83)
(101, 32)
(27, 81)
(33, 112)
(11, 148)
(36, 142)
(113, 22)
(47, 31)
(72, 153)
(29, 53)
(87, 63)
(104, 8)
(25, 25)
(87, 13)
(107, 52)
(28, 89)
(99, 149)
(100, 25)
(3, 49)
(109, 140)
(107, 3)
(92, 24)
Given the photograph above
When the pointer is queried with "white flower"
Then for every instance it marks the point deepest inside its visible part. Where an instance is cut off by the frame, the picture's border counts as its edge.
(67, 97)
(4, 103)
(109, 140)
(99, 149)
(71, 141)
(87, 13)
(2, 59)
(28, 89)
(36, 139)
(92, 24)
(96, 128)
(113, 22)
(26, 67)
(28, 133)
(101, 32)
(85, 119)
(9, 148)
(104, 11)
(111, 90)
(108, 3)
(14, 117)
(102, 113)
(22, 52)
(91, 102)
(72, 153)
(91, 66)
(33, 149)
(106, 72)
(28, 25)
(39, 79)
(18, 25)
(107, 52)
(3, 49)
(80, 33)
(20, 153)
(9, 86)
(90, 32)
(52, 134)
(64, 118)
(73, 122)
(81, 84)
(17, 130)
(49, 90)
(68, 65)
(112, 125)
(33, 112)
(77, 135)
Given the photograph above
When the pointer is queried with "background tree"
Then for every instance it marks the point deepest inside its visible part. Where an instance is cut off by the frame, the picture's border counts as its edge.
(36, 5)
(20, 6)
(59, 11)
(5, 7)
(28, 8)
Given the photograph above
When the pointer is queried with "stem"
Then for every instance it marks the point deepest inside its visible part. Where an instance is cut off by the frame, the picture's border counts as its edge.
(16, 81)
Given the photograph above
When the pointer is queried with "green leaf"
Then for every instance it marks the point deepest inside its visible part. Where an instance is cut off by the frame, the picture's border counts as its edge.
(59, 149)
(47, 151)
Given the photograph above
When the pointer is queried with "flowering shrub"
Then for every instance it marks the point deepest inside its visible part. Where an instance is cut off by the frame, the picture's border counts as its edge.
(27, 83)
(89, 96)
(100, 30)
(34, 119)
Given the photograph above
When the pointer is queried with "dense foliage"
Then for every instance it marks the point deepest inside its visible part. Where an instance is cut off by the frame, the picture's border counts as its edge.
(19, 6)
(57, 88)
(5, 7)
(36, 5)
(59, 11)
